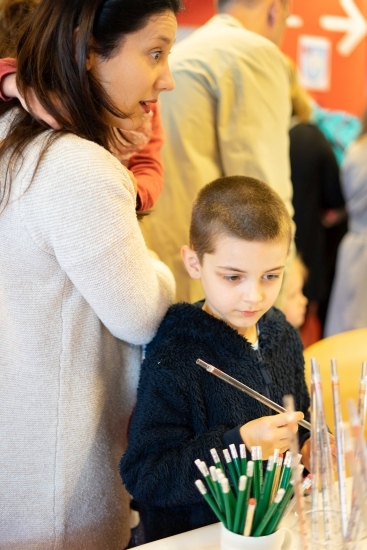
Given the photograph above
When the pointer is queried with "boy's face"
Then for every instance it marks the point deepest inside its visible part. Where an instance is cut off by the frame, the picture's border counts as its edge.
(241, 279)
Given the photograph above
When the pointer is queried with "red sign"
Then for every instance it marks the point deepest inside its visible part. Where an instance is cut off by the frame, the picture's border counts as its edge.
(196, 13)
(327, 39)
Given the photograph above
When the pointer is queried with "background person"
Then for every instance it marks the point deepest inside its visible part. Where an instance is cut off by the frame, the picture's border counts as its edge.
(79, 291)
(229, 114)
(348, 300)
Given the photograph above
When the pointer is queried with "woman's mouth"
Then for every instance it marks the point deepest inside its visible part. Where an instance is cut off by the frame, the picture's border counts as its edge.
(145, 106)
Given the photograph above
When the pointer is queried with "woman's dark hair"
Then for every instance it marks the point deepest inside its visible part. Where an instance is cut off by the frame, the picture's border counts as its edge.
(52, 60)
(13, 15)
(240, 207)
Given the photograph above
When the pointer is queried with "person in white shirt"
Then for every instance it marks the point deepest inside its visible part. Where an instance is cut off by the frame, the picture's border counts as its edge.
(228, 115)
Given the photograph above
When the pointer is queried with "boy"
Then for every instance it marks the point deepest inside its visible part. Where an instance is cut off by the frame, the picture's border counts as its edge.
(239, 239)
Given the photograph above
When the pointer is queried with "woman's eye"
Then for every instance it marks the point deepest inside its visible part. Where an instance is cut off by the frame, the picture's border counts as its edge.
(156, 55)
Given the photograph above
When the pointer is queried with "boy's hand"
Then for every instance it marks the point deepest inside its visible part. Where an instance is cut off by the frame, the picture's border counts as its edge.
(271, 432)
(10, 89)
(306, 454)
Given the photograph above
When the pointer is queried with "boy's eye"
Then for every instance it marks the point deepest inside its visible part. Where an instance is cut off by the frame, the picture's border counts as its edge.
(271, 276)
(232, 277)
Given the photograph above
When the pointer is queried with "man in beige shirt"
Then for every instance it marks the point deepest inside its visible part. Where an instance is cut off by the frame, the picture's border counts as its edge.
(228, 115)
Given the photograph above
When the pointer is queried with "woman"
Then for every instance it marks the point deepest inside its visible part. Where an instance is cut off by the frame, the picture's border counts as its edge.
(348, 302)
(79, 291)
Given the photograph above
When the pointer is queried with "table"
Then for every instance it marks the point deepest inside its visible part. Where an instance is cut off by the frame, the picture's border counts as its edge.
(208, 538)
(205, 538)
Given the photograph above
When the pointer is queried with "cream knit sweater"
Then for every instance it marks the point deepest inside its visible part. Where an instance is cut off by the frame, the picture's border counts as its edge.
(79, 294)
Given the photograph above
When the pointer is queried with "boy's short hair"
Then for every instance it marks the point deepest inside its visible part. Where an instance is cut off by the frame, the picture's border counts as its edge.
(237, 206)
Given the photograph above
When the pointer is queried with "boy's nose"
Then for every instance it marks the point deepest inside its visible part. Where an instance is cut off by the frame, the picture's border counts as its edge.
(252, 294)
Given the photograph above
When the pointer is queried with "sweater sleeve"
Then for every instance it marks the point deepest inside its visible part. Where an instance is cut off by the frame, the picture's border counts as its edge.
(7, 66)
(164, 440)
(80, 208)
(147, 165)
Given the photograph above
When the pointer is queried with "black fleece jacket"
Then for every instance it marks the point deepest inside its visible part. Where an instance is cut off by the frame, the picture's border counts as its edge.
(183, 411)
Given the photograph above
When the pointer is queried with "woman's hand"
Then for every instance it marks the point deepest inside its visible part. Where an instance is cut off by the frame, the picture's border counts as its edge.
(271, 432)
(9, 89)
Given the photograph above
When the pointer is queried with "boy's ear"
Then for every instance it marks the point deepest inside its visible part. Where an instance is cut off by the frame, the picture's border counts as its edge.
(191, 262)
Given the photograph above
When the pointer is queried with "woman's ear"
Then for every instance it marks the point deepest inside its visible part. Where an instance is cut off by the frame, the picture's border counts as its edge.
(89, 61)
(91, 55)
(191, 262)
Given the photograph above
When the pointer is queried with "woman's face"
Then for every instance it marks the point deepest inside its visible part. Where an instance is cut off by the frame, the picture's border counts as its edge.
(138, 71)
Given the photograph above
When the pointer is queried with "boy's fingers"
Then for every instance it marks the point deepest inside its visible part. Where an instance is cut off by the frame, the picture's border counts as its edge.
(282, 419)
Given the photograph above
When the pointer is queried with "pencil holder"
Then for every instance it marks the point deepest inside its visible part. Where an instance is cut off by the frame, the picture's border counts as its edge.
(280, 540)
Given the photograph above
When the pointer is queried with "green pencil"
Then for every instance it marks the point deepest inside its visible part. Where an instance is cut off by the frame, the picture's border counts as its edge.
(225, 491)
(235, 459)
(232, 499)
(205, 472)
(263, 503)
(243, 456)
(249, 475)
(286, 471)
(279, 513)
(242, 482)
(232, 471)
(218, 492)
(257, 468)
(200, 485)
(216, 459)
(260, 457)
(259, 530)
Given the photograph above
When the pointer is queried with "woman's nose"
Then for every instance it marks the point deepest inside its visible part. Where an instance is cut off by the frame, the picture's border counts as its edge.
(165, 82)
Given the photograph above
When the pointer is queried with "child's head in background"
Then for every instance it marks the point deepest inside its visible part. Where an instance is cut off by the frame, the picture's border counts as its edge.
(294, 302)
(240, 235)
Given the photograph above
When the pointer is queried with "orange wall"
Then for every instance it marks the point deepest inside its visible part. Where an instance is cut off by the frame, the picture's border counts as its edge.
(348, 72)
(197, 12)
(346, 88)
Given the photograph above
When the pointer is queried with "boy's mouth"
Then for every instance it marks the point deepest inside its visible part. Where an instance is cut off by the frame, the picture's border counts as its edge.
(249, 313)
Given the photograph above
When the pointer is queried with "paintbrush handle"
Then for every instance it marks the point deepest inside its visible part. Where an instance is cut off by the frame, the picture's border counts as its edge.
(246, 389)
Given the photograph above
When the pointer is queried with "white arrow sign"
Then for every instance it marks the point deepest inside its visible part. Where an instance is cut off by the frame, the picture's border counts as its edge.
(294, 21)
(355, 27)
